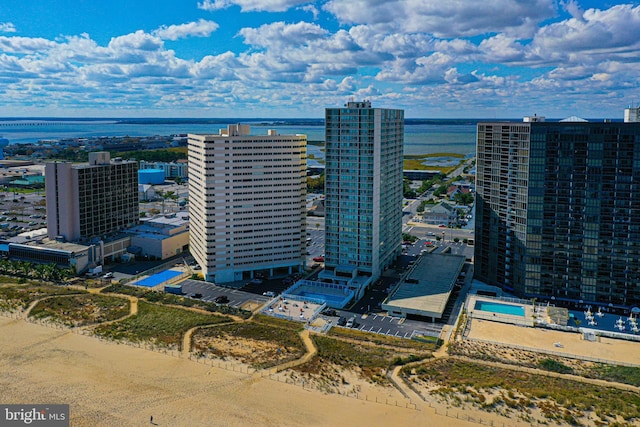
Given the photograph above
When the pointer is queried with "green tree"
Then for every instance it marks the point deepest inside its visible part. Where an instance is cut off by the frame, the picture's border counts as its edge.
(464, 198)
(162, 155)
(442, 189)
(315, 185)
(406, 237)
(408, 192)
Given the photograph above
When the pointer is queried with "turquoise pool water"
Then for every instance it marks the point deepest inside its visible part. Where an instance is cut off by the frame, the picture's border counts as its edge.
(330, 299)
(500, 308)
(158, 278)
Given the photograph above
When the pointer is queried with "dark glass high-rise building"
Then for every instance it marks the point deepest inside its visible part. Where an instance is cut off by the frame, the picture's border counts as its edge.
(558, 210)
(91, 200)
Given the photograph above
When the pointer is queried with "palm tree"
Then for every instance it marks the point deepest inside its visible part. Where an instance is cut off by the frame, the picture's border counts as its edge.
(23, 268)
(42, 272)
(5, 266)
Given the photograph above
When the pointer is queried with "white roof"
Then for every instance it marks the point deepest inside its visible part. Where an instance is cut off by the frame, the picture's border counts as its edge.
(574, 119)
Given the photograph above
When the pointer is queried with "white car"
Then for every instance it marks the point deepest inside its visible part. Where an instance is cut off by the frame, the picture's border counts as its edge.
(109, 275)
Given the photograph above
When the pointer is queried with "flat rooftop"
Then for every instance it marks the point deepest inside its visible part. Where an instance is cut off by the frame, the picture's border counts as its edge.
(48, 244)
(427, 288)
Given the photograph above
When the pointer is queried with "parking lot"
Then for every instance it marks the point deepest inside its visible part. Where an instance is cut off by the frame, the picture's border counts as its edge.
(209, 292)
(21, 212)
(383, 324)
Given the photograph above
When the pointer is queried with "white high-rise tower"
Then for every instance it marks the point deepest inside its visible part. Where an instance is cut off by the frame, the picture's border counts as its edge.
(247, 203)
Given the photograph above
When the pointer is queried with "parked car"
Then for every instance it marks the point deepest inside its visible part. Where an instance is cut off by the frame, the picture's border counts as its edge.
(319, 259)
(222, 299)
(269, 294)
(255, 281)
(330, 312)
(351, 323)
(196, 295)
(342, 321)
(109, 275)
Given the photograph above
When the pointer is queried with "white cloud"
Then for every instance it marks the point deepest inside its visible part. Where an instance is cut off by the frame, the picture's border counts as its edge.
(252, 5)
(223, 67)
(24, 45)
(367, 92)
(348, 84)
(425, 70)
(398, 44)
(7, 27)
(405, 53)
(573, 8)
(201, 28)
(502, 49)
(214, 5)
(281, 34)
(138, 41)
(451, 18)
(611, 33)
(311, 9)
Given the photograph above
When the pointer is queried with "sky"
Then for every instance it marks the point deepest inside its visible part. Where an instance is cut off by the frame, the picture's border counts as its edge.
(293, 59)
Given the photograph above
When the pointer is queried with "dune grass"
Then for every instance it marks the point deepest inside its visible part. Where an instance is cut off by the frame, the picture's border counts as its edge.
(270, 345)
(158, 324)
(570, 397)
(81, 310)
(19, 297)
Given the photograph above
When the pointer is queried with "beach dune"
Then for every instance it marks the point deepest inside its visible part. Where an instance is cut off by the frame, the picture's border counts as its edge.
(108, 384)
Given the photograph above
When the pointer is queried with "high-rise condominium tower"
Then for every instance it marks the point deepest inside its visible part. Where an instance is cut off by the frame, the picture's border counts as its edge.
(247, 203)
(363, 190)
(558, 210)
(91, 200)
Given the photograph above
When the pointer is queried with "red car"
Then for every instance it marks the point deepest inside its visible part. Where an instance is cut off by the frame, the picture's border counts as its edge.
(319, 259)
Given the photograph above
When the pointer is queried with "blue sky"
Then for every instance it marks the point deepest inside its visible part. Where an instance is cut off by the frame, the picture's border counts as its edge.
(292, 58)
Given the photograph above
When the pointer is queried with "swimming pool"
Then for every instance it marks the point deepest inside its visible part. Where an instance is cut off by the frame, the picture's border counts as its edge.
(158, 278)
(500, 308)
(316, 296)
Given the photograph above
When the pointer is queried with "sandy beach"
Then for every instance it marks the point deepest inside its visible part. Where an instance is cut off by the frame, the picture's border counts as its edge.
(108, 384)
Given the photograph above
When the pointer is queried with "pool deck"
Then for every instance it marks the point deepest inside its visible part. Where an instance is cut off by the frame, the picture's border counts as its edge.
(527, 320)
(292, 309)
(556, 342)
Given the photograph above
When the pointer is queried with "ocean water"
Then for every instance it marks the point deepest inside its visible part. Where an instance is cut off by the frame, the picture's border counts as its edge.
(422, 136)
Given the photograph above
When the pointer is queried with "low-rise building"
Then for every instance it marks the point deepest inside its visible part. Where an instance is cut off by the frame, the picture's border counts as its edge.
(176, 169)
(440, 213)
(425, 291)
(162, 236)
